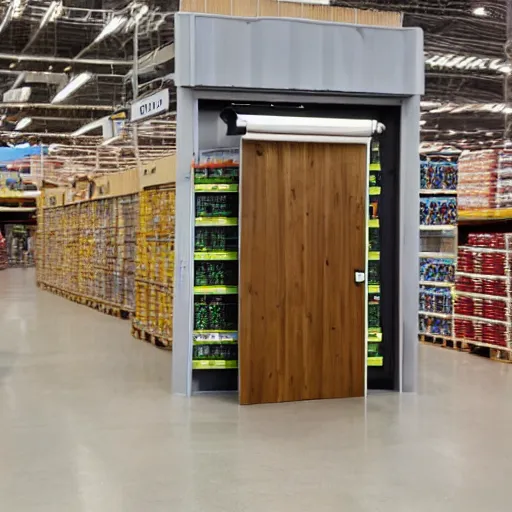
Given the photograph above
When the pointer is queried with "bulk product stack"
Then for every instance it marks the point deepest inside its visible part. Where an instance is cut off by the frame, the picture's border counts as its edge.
(88, 247)
(215, 338)
(374, 357)
(154, 274)
(3, 253)
(438, 230)
(483, 304)
(155, 266)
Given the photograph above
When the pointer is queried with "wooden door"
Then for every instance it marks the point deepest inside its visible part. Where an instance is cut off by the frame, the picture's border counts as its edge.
(301, 325)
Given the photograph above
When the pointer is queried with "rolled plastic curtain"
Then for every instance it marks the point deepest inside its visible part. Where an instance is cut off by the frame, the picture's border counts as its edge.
(308, 126)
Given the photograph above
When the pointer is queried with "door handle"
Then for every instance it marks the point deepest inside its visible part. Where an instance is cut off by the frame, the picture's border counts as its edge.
(359, 277)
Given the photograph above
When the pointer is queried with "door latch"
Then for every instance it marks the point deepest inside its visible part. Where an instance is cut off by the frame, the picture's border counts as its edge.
(359, 277)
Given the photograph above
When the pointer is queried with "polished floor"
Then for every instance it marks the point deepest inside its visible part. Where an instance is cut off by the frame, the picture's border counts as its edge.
(87, 424)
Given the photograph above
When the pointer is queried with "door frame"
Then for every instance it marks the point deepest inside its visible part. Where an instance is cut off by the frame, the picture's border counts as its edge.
(320, 139)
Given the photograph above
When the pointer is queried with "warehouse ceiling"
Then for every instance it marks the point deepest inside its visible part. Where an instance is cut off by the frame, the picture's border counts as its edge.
(466, 67)
(88, 45)
(46, 45)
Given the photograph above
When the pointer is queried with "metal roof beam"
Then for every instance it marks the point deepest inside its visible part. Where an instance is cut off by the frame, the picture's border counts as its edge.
(64, 60)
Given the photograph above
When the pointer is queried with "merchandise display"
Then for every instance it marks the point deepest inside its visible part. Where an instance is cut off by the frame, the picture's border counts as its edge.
(374, 357)
(216, 199)
(19, 243)
(3, 253)
(88, 250)
(483, 305)
(438, 220)
(155, 265)
(485, 182)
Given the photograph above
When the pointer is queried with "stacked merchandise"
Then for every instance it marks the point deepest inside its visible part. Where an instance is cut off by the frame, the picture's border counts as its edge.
(483, 306)
(19, 245)
(89, 250)
(216, 178)
(374, 321)
(3, 253)
(438, 221)
(485, 183)
(155, 265)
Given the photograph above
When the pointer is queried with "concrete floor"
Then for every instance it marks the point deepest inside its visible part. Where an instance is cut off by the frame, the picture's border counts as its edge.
(87, 424)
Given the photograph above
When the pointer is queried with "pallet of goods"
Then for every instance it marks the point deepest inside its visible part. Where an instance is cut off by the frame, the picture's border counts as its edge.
(485, 185)
(483, 294)
(3, 253)
(154, 277)
(483, 305)
(438, 231)
(88, 251)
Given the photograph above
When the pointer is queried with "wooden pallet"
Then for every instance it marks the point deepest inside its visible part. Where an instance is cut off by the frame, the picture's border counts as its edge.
(148, 337)
(103, 307)
(503, 355)
(444, 342)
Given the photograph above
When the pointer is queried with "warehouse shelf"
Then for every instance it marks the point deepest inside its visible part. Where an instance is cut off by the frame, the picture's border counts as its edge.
(215, 187)
(216, 221)
(216, 256)
(214, 365)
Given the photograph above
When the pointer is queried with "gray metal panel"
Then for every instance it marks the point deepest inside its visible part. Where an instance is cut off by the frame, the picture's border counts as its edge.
(409, 242)
(300, 55)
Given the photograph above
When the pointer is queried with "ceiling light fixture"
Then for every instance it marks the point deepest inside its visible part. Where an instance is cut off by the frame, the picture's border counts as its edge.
(52, 13)
(18, 6)
(113, 26)
(480, 11)
(73, 85)
(23, 123)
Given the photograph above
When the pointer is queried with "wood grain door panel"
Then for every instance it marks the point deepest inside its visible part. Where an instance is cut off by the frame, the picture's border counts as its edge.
(301, 325)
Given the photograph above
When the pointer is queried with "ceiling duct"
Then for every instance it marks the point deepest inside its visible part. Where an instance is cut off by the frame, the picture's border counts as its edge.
(151, 61)
(19, 95)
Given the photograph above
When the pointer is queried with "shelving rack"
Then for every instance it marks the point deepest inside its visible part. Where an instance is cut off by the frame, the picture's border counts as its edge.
(483, 305)
(375, 337)
(216, 202)
(438, 235)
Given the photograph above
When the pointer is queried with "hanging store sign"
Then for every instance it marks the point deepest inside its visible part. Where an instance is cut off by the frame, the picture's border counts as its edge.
(150, 106)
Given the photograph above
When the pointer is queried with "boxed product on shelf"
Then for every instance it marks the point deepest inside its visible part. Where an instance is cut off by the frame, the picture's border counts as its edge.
(435, 326)
(435, 300)
(437, 270)
(437, 211)
(438, 174)
(485, 179)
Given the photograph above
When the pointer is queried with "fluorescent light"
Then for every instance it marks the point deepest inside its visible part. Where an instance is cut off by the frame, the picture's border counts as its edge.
(479, 11)
(423, 123)
(72, 86)
(142, 12)
(18, 6)
(111, 140)
(23, 123)
(51, 13)
(113, 26)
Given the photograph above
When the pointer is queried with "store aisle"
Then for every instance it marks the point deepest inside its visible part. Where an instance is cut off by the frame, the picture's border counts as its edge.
(87, 424)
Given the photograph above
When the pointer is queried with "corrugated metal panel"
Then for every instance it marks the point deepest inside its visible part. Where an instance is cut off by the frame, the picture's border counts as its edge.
(303, 55)
(274, 8)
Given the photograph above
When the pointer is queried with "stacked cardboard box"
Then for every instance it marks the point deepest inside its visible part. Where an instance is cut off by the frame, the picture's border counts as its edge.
(155, 263)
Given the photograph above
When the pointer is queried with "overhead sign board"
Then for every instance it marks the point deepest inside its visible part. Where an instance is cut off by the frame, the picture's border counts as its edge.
(150, 106)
